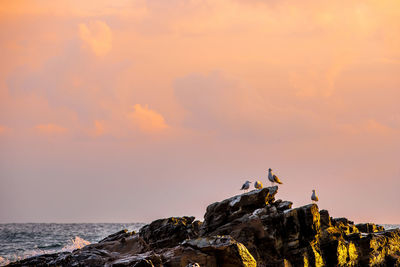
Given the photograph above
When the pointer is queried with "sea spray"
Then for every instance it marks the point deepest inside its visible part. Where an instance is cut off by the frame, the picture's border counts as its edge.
(76, 243)
(23, 240)
(73, 243)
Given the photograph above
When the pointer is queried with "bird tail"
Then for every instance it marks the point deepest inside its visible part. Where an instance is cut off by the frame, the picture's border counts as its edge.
(276, 179)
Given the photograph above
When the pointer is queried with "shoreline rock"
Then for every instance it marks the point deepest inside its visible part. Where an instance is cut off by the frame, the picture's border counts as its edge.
(251, 229)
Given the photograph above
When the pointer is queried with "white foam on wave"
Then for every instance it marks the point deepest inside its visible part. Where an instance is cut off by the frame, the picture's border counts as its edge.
(74, 243)
(3, 261)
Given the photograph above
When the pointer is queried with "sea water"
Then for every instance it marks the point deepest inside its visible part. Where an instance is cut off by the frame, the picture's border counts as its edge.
(22, 240)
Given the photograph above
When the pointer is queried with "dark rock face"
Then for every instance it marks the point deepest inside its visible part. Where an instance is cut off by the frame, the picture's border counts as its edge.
(118, 235)
(210, 251)
(169, 232)
(251, 229)
(220, 213)
(369, 228)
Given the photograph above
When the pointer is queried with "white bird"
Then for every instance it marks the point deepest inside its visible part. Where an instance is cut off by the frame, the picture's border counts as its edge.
(245, 186)
(258, 185)
(314, 196)
(273, 178)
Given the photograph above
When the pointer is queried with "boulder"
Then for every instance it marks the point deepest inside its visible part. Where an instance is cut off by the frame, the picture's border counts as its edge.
(369, 228)
(213, 251)
(169, 232)
(220, 213)
(325, 219)
(117, 236)
(284, 205)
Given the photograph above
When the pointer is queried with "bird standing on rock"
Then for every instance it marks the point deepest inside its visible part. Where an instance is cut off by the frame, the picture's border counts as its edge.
(273, 178)
(314, 196)
(245, 186)
(258, 185)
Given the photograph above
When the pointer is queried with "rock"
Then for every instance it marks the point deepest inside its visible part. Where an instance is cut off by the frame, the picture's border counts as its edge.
(369, 227)
(148, 259)
(220, 213)
(339, 252)
(251, 229)
(375, 249)
(284, 205)
(325, 219)
(117, 236)
(342, 221)
(40, 260)
(213, 251)
(169, 232)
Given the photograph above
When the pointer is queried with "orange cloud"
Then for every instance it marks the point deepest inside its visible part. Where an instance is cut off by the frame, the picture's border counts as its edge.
(370, 126)
(4, 130)
(99, 128)
(50, 129)
(97, 36)
(147, 120)
(374, 126)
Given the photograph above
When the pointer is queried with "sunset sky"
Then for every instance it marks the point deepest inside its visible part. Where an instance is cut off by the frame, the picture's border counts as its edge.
(126, 111)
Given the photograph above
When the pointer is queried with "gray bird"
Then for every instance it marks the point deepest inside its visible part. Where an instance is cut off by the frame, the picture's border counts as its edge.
(273, 178)
(258, 185)
(314, 196)
(246, 186)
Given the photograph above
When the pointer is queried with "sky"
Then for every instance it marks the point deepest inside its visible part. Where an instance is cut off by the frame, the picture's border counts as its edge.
(130, 111)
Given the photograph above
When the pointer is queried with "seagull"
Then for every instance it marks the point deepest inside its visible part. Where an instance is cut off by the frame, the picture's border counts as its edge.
(273, 178)
(314, 196)
(258, 185)
(245, 186)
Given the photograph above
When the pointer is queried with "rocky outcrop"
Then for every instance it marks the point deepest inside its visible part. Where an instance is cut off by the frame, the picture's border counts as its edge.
(210, 251)
(369, 228)
(221, 213)
(251, 229)
(169, 232)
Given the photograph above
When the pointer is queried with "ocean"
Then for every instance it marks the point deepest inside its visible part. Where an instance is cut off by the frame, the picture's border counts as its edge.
(22, 240)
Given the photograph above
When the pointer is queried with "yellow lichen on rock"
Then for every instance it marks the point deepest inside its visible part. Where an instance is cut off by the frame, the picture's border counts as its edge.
(319, 262)
(353, 255)
(247, 258)
(305, 259)
(342, 253)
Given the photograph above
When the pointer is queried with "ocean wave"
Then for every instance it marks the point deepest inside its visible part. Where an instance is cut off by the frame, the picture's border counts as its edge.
(4, 261)
(74, 243)
(20, 241)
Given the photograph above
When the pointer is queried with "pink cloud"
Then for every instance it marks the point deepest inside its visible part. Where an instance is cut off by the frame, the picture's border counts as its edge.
(148, 121)
(309, 88)
(4, 130)
(50, 129)
(97, 36)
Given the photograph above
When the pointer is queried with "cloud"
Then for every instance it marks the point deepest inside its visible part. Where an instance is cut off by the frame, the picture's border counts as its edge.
(305, 85)
(99, 128)
(148, 121)
(97, 36)
(369, 126)
(50, 129)
(4, 130)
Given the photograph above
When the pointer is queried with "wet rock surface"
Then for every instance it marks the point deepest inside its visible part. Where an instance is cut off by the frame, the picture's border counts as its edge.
(251, 229)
